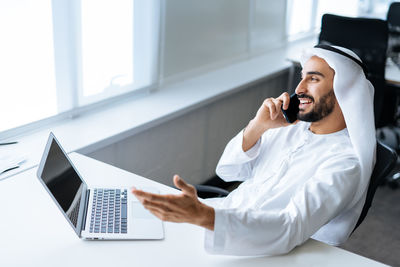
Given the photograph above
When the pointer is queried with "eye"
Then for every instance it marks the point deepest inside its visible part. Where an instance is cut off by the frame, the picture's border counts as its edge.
(314, 79)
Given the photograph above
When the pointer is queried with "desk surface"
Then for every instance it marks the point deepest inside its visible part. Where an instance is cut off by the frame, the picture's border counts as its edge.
(35, 233)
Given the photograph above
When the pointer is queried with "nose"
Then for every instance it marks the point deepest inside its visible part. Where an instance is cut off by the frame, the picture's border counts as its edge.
(301, 88)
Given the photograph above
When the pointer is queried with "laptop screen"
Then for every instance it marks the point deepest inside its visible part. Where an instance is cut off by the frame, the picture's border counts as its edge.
(62, 181)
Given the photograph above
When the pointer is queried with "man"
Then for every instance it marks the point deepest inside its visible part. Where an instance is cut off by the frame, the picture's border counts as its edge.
(301, 180)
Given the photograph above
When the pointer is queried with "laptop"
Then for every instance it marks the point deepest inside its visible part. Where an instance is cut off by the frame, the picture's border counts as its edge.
(94, 213)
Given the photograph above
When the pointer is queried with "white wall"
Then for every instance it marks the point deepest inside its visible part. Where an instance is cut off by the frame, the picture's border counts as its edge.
(269, 24)
(201, 35)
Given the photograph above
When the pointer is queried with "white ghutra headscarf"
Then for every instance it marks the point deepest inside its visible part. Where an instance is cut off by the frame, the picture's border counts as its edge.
(355, 95)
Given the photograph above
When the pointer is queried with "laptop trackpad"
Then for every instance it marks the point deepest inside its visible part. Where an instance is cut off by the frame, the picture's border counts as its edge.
(139, 212)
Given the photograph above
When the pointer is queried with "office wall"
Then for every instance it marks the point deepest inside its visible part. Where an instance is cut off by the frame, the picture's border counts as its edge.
(268, 25)
(198, 33)
(191, 144)
(201, 35)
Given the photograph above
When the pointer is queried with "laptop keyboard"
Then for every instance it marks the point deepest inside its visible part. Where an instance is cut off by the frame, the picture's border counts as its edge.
(109, 211)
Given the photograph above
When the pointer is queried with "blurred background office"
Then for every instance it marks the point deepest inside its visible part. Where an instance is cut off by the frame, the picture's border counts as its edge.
(62, 61)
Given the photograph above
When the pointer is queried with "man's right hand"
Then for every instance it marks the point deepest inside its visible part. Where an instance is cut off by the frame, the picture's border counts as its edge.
(268, 116)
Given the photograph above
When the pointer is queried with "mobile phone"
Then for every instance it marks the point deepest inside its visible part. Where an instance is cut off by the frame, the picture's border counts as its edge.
(290, 114)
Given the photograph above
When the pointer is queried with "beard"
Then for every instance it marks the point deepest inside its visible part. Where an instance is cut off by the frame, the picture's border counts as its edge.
(321, 109)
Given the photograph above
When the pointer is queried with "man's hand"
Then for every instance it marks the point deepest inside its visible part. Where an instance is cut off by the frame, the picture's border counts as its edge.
(268, 116)
(184, 207)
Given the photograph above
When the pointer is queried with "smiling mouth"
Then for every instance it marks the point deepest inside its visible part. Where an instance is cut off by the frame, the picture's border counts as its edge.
(304, 103)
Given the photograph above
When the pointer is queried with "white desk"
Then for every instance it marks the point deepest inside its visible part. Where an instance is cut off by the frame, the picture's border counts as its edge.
(35, 233)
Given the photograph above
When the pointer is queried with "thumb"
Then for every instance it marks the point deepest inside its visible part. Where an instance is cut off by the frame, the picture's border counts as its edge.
(182, 185)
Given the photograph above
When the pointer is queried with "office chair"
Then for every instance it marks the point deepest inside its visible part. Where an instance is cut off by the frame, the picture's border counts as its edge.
(386, 159)
(391, 133)
(368, 38)
(209, 191)
(393, 17)
(393, 20)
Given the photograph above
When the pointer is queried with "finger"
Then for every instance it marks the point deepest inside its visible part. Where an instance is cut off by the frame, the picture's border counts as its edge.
(134, 190)
(159, 214)
(285, 98)
(278, 105)
(141, 195)
(156, 205)
(136, 193)
(154, 210)
(271, 108)
(165, 216)
(185, 187)
(168, 202)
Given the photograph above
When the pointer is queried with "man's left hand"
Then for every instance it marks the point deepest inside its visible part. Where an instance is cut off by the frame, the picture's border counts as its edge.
(184, 207)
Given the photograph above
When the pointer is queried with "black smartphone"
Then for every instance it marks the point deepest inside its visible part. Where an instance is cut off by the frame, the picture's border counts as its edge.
(291, 113)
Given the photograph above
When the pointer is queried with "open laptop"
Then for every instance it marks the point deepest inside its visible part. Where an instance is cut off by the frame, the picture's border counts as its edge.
(94, 213)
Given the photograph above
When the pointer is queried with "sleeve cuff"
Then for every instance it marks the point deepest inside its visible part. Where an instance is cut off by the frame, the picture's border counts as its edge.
(255, 150)
(213, 202)
(214, 241)
(252, 152)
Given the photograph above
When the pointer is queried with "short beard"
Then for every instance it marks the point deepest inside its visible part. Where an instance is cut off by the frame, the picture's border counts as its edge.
(322, 108)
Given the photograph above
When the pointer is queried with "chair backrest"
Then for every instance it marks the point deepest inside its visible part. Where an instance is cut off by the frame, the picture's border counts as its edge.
(393, 16)
(393, 19)
(368, 38)
(385, 161)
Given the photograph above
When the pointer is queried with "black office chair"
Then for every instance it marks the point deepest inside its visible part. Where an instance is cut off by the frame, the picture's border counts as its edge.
(368, 38)
(391, 134)
(209, 191)
(385, 162)
(393, 17)
(386, 159)
(393, 20)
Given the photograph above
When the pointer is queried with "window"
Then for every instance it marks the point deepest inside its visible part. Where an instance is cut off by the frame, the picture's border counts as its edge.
(118, 47)
(348, 8)
(300, 16)
(58, 56)
(28, 85)
(304, 16)
(375, 8)
(107, 46)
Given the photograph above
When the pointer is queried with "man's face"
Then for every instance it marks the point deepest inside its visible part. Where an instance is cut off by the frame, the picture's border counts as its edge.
(315, 90)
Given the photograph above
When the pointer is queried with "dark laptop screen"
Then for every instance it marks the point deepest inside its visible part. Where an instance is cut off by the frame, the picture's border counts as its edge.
(63, 181)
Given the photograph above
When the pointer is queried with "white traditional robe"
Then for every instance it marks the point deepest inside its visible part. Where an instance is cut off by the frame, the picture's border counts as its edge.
(296, 185)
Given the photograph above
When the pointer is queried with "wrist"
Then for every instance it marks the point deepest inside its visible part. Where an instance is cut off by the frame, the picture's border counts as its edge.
(256, 128)
(206, 217)
(252, 134)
